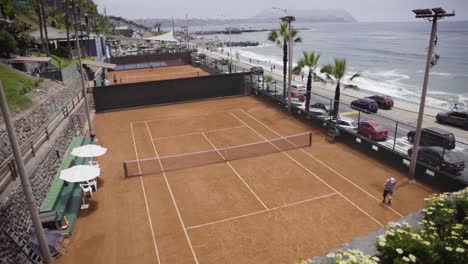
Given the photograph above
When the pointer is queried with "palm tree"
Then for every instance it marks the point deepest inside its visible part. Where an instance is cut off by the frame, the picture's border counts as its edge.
(44, 24)
(268, 80)
(337, 72)
(281, 37)
(309, 62)
(158, 26)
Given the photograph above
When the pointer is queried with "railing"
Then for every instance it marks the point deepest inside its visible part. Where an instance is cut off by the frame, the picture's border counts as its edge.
(8, 169)
(397, 142)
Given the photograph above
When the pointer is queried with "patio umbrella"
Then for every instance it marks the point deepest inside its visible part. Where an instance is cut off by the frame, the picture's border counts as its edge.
(80, 173)
(89, 150)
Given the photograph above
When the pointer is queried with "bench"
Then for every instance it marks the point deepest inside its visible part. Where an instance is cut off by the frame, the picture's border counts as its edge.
(65, 198)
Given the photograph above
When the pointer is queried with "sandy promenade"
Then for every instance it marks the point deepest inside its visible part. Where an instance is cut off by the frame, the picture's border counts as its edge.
(403, 111)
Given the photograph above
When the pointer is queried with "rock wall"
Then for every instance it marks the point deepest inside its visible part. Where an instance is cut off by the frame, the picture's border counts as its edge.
(34, 119)
(14, 213)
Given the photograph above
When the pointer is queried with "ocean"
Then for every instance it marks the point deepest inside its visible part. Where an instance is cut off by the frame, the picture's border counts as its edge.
(390, 56)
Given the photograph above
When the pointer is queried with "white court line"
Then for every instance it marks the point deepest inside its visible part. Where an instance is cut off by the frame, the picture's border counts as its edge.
(172, 196)
(262, 211)
(184, 116)
(195, 133)
(316, 176)
(238, 175)
(330, 168)
(146, 200)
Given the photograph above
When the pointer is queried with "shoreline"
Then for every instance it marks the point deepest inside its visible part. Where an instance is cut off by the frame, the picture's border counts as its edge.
(404, 111)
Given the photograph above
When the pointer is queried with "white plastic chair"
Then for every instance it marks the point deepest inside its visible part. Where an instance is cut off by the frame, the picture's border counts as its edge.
(92, 183)
(87, 190)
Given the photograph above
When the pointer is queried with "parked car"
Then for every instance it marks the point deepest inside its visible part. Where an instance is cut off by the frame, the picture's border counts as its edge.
(373, 130)
(438, 157)
(201, 56)
(344, 122)
(366, 105)
(299, 87)
(384, 101)
(453, 118)
(257, 70)
(320, 106)
(434, 136)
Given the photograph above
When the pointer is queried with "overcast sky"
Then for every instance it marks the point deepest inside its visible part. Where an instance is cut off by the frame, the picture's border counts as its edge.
(362, 10)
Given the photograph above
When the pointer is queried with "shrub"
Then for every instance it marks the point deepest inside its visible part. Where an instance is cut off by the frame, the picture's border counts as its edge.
(442, 240)
(401, 243)
(7, 43)
(350, 256)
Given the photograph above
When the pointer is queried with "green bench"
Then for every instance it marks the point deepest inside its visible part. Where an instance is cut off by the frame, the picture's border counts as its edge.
(65, 198)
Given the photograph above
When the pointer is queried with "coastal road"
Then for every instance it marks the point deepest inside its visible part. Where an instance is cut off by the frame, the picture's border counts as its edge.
(404, 112)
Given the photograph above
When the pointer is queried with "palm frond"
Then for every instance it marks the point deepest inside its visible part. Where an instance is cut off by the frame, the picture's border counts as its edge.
(318, 78)
(356, 75)
(297, 40)
(273, 36)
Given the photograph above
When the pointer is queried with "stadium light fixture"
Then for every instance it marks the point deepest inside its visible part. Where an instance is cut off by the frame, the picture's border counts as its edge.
(289, 20)
(432, 15)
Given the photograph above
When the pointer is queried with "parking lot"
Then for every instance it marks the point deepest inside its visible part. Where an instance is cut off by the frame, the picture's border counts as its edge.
(397, 130)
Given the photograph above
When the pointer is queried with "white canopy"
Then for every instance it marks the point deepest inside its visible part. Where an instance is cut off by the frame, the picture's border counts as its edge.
(80, 173)
(167, 37)
(89, 150)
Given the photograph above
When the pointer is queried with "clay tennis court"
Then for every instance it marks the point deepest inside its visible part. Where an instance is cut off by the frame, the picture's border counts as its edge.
(156, 74)
(273, 208)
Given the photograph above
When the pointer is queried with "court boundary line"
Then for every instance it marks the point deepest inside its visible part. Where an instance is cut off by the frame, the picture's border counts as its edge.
(238, 175)
(173, 199)
(182, 116)
(330, 168)
(155, 244)
(262, 211)
(195, 133)
(320, 179)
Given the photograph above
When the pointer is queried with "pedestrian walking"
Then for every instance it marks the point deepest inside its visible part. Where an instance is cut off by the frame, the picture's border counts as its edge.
(454, 107)
(302, 76)
(271, 68)
(388, 190)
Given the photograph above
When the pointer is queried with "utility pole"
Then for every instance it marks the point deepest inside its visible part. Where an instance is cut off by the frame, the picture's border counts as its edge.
(433, 15)
(289, 19)
(173, 28)
(44, 248)
(83, 86)
(186, 27)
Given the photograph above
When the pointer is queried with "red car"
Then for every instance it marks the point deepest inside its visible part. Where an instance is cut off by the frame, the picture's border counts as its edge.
(373, 130)
(384, 101)
(297, 94)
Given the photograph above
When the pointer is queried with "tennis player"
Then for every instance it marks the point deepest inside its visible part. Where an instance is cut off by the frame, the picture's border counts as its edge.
(388, 190)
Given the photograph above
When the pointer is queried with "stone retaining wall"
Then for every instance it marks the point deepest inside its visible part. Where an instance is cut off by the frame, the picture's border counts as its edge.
(34, 120)
(42, 170)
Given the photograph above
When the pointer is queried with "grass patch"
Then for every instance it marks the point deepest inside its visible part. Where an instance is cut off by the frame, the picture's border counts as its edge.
(56, 59)
(16, 85)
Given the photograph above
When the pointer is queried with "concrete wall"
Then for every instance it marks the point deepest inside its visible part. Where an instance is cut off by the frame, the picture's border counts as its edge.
(41, 170)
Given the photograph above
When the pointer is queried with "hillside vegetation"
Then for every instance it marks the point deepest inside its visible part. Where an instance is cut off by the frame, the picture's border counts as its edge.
(16, 86)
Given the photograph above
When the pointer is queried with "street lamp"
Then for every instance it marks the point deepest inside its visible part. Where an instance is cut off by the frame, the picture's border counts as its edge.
(289, 19)
(230, 43)
(433, 15)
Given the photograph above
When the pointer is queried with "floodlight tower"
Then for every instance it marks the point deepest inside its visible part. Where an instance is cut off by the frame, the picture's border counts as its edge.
(289, 20)
(432, 15)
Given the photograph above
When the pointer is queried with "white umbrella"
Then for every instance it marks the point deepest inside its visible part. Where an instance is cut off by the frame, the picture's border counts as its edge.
(89, 151)
(80, 173)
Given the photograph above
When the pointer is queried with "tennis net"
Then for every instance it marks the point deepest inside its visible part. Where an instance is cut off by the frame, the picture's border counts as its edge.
(202, 158)
(159, 77)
